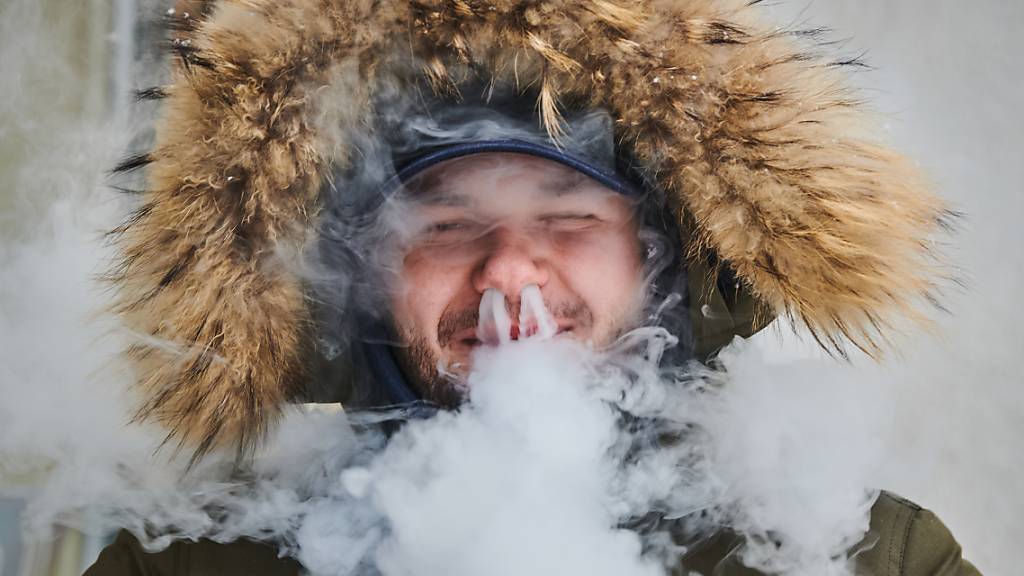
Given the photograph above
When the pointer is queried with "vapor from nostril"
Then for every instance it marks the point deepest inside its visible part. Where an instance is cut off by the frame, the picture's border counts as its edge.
(496, 326)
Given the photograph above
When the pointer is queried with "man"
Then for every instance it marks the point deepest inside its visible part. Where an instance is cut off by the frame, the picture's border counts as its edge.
(287, 121)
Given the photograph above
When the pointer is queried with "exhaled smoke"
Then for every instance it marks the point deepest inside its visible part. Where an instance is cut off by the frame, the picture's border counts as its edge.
(566, 461)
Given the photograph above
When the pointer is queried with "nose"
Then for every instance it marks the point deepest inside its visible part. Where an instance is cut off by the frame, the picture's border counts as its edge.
(513, 262)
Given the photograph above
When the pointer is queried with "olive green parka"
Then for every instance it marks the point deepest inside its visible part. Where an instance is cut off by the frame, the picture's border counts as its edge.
(904, 540)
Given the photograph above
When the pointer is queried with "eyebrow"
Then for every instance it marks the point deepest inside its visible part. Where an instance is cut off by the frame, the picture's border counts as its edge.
(438, 196)
(565, 185)
(429, 190)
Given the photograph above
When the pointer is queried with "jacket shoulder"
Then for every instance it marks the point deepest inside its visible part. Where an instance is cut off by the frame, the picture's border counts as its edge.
(904, 539)
(908, 540)
(126, 557)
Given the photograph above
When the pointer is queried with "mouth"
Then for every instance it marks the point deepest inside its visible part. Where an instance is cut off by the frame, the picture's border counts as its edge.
(469, 339)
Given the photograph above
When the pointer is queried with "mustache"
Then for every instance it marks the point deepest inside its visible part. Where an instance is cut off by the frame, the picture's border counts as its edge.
(455, 321)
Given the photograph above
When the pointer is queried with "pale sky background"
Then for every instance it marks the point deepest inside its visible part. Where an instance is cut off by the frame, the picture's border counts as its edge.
(947, 77)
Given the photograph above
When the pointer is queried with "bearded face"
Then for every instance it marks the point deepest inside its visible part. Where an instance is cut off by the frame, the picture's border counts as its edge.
(505, 221)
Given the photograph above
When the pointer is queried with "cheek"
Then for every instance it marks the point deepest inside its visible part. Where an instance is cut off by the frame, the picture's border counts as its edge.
(604, 271)
(423, 292)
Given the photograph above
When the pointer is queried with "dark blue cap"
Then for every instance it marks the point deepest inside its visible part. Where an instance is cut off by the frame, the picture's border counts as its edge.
(606, 177)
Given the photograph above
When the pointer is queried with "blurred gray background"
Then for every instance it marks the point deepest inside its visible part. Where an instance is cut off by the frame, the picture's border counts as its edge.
(948, 80)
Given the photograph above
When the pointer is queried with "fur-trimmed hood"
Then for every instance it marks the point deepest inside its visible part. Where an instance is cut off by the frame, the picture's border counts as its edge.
(767, 156)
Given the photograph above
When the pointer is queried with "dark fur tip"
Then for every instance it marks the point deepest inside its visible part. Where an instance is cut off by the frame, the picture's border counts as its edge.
(854, 62)
(153, 93)
(949, 220)
(133, 163)
(123, 190)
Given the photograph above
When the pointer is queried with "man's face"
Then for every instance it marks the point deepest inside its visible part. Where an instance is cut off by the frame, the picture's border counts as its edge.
(505, 221)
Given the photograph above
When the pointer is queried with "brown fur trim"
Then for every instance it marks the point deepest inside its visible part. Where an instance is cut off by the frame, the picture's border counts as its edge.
(753, 133)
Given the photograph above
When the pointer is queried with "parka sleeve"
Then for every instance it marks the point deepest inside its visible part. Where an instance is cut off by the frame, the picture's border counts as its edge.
(908, 540)
(125, 557)
(931, 550)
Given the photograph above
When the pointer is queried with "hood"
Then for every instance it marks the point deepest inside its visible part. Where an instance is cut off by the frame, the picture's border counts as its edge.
(768, 159)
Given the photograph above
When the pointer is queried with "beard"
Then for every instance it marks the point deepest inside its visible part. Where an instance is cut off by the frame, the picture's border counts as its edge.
(427, 374)
(434, 375)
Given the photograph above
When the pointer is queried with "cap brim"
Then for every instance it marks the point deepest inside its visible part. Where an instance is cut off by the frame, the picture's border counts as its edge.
(605, 177)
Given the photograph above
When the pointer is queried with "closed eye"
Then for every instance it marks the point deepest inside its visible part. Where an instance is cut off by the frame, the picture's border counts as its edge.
(569, 216)
(450, 231)
(446, 227)
(570, 221)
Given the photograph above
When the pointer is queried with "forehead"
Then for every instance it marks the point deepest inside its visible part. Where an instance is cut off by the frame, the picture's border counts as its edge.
(497, 177)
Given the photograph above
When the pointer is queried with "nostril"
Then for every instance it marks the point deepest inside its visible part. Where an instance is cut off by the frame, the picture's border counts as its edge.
(534, 315)
(494, 321)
